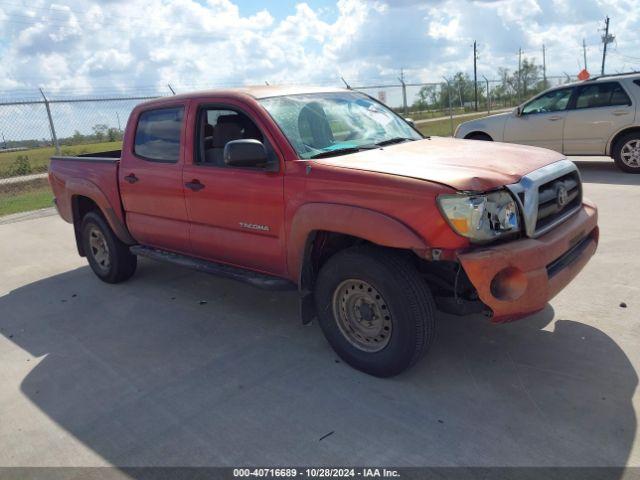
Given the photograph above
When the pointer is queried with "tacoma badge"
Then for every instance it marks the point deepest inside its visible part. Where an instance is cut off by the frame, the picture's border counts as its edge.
(253, 226)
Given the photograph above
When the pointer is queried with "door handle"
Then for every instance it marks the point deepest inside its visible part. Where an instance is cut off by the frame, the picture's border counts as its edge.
(194, 185)
(619, 113)
(131, 178)
(554, 118)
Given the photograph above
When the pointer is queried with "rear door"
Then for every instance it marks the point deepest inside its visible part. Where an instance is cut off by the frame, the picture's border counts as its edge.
(541, 120)
(598, 111)
(236, 214)
(150, 178)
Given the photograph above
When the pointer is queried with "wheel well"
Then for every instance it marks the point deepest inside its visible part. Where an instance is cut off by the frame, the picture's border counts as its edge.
(81, 205)
(322, 245)
(619, 135)
(446, 279)
(477, 134)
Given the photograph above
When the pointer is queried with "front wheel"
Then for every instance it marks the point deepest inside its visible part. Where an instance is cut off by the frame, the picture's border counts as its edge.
(626, 153)
(375, 310)
(109, 258)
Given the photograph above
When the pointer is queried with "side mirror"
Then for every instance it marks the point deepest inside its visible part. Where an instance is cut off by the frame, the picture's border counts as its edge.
(410, 122)
(248, 153)
(518, 111)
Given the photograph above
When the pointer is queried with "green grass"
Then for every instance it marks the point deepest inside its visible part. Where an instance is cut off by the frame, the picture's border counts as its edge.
(25, 199)
(442, 128)
(433, 113)
(39, 157)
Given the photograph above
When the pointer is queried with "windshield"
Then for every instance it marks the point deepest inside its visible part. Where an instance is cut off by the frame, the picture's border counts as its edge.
(323, 124)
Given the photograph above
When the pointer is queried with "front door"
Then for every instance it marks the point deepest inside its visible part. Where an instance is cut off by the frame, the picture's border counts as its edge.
(600, 110)
(541, 121)
(150, 179)
(236, 214)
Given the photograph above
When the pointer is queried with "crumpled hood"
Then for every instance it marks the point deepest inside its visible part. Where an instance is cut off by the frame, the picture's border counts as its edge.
(462, 164)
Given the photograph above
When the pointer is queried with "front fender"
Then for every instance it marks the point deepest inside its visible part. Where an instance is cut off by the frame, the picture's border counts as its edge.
(369, 225)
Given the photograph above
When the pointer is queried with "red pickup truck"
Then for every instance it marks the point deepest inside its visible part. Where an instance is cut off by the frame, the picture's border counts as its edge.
(331, 193)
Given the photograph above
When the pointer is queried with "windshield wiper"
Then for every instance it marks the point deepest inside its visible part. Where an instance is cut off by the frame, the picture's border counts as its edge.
(391, 141)
(342, 151)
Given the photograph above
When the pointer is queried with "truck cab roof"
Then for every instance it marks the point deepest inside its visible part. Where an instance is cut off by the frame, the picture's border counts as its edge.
(256, 92)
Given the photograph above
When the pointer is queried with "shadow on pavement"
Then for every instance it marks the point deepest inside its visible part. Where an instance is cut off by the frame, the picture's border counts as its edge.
(146, 374)
(594, 171)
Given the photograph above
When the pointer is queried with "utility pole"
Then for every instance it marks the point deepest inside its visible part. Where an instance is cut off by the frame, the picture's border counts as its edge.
(4, 140)
(606, 40)
(544, 66)
(404, 91)
(519, 72)
(475, 72)
(584, 54)
(118, 117)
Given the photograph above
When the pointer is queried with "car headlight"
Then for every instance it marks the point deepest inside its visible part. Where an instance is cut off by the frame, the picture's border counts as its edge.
(481, 217)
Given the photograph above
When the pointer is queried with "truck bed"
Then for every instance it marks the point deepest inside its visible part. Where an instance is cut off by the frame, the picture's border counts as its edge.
(94, 175)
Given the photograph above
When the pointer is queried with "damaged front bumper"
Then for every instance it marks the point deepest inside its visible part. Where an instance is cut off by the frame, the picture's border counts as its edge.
(518, 278)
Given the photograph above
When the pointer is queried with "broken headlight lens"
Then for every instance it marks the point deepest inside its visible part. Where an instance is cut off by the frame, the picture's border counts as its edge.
(481, 217)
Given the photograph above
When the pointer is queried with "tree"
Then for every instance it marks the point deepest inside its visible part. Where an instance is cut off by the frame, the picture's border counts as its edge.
(114, 134)
(427, 97)
(77, 138)
(99, 131)
(530, 74)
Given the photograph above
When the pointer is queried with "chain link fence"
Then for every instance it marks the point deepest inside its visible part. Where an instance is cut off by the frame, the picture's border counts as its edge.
(429, 100)
(36, 124)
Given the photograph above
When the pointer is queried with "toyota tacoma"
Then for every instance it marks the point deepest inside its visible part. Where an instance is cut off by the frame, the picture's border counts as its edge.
(330, 192)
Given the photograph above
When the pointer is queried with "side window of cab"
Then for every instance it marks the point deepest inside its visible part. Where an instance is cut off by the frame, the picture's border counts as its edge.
(217, 126)
(158, 134)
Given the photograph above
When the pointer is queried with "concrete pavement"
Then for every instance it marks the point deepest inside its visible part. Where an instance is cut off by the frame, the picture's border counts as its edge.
(180, 368)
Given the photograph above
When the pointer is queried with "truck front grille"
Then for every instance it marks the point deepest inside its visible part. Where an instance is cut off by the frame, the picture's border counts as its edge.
(548, 196)
(557, 198)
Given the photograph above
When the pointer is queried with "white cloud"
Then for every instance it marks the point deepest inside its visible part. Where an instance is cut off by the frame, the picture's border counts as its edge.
(88, 43)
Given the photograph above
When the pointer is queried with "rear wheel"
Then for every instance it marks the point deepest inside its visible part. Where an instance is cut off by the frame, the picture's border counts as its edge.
(375, 309)
(626, 153)
(109, 258)
(479, 136)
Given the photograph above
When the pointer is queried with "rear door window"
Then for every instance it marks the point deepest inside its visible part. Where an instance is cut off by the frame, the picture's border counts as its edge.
(158, 134)
(598, 95)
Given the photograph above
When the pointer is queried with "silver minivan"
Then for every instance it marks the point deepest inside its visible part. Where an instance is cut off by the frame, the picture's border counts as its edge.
(595, 117)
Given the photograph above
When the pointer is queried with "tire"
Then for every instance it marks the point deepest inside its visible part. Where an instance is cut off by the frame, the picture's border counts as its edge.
(479, 136)
(112, 264)
(626, 152)
(386, 282)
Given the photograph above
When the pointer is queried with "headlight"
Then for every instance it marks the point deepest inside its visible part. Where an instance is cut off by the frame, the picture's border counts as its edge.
(482, 217)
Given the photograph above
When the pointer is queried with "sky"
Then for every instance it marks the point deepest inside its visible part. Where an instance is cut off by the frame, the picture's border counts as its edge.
(132, 45)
